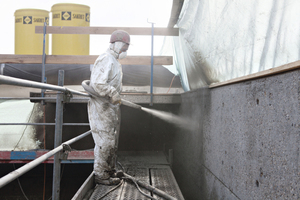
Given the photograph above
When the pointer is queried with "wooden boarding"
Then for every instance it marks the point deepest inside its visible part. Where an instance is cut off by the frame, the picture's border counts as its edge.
(106, 30)
(71, 59)
(272, 71)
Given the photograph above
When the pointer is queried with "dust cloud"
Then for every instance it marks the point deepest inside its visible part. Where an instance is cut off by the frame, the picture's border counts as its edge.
(180, 122)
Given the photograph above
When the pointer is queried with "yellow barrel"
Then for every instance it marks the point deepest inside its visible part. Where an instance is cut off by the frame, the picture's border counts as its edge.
(26, 40)
(67, 14)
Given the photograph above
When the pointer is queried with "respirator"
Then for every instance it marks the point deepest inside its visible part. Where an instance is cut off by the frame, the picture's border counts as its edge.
(122, 55)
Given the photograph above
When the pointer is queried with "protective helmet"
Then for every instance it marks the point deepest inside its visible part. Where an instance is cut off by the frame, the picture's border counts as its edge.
(120, 36)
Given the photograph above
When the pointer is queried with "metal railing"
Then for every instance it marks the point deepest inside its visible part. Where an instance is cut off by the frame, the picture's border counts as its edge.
(22, 170)
(46, 124)
(63, 93)
(26, 83)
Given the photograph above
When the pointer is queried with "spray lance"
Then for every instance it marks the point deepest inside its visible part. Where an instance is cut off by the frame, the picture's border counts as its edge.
(26, 83)
(169, 117)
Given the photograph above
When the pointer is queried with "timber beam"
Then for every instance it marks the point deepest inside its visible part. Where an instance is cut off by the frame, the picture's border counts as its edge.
(106, 30)
(81, 59)
(176, 9)
(269, 72)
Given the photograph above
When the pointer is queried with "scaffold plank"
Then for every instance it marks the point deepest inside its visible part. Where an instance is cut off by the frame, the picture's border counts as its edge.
(106, 30)
(148, 167)
(261, 74)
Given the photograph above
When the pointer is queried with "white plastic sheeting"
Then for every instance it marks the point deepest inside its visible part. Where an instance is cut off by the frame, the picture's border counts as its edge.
(18, 137)
(224, 39)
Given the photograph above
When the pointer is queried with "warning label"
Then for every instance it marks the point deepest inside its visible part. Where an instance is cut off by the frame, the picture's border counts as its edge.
(65, 15)
(87, 17)
(78, 16)
(18, 20)
(54, 16)
(27, 19)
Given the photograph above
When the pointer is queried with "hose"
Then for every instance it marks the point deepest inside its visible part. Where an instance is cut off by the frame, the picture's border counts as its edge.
(122, 181)
(137, 186)
(139, 189)
(123, 176)
(158, 192)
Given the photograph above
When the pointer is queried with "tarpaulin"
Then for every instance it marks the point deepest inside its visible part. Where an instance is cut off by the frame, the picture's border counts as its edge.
(224, 39)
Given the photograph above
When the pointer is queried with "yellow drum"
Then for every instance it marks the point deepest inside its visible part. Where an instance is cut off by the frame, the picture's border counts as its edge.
(26, 40)
(65, 14)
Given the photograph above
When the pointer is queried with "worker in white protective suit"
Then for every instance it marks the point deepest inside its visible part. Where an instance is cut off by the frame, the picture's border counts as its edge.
(104, 106)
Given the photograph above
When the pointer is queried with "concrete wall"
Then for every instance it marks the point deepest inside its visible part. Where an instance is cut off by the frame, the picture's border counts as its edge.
(247, 144)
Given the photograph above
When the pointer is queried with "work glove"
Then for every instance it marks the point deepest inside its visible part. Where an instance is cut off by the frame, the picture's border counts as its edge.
(115, 99)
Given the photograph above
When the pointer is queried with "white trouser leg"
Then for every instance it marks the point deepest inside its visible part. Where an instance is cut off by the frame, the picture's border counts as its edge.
(104, 153)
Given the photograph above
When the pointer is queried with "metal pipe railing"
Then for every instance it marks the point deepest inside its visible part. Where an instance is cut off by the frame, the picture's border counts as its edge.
(43, 62)
(26, 83)
(58, 129)
(45, 124)
(27, 98)
(22, 170)
(151, 79)
(58, 138)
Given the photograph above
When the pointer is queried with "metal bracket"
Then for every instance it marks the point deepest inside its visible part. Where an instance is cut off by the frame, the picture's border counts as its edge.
(65, 153)
(67, 96)
(67, 147)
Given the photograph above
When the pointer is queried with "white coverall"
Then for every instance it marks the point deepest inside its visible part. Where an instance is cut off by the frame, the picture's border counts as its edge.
(104, 117)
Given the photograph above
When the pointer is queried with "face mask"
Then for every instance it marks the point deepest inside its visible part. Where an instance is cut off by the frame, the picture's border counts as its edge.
(123, 55)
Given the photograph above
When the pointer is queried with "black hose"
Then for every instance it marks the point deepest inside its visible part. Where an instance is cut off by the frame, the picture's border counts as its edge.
(143, 193)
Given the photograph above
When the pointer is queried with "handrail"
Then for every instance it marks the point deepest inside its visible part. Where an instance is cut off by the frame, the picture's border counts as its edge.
(27, 98)
(44, 124)
(26, 83)
(22, 170)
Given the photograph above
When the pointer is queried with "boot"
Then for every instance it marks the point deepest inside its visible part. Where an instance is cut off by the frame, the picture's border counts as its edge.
(109, 181)
(118, 174)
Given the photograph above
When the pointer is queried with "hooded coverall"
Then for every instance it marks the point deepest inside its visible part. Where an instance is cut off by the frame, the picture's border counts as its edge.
(104, 117)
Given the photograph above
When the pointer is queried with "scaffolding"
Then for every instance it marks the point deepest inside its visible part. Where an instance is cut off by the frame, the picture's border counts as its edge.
(62, 94)
(65, 95)
(61, 149)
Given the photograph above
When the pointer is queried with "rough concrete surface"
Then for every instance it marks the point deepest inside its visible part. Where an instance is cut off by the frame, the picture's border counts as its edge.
(247, 144)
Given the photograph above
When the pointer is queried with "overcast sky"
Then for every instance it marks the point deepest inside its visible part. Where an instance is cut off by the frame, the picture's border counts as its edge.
(114, 13)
